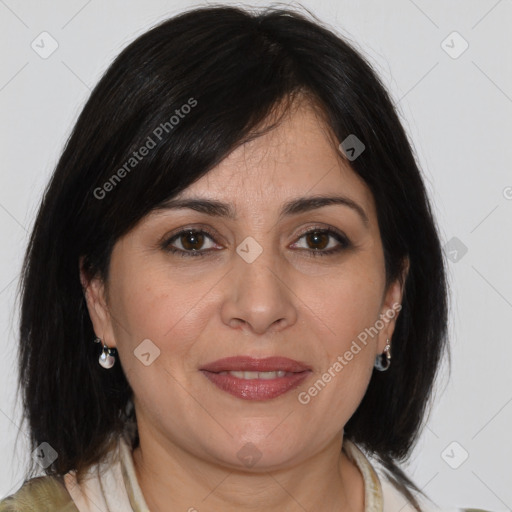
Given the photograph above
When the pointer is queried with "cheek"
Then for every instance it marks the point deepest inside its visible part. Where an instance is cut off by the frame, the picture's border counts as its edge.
(171, 315)
(347, 355)
(153, 305)
(345, 308)
(347, 302)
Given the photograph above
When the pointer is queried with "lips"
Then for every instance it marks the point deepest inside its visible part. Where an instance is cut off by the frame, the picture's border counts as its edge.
(256, 379)
(250, 364)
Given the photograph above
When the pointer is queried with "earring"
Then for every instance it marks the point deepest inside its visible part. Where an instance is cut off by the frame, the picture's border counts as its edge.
(107, 359)
(382, 363)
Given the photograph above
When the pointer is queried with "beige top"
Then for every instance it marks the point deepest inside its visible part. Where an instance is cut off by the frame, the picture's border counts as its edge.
(112, 486)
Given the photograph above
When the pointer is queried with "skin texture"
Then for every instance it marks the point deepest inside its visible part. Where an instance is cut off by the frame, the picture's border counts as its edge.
(287, 302)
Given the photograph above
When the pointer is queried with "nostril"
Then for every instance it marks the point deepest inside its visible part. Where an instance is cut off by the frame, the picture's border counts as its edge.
(237, 323)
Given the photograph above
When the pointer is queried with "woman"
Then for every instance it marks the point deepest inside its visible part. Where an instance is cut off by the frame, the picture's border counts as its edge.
(234, 295)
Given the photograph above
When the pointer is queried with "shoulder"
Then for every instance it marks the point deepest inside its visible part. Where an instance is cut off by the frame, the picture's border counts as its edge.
(395, 501)
(40, 494)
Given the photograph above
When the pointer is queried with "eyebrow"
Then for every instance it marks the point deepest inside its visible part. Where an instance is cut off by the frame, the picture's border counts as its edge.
(293, 207)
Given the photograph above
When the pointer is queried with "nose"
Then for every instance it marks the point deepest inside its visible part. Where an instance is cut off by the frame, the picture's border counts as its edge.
(258, 296)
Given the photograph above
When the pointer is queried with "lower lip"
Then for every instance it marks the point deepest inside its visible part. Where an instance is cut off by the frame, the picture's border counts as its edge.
(256, 389)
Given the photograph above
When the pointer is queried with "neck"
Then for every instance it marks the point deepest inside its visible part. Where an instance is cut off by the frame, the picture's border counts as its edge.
(172, 479)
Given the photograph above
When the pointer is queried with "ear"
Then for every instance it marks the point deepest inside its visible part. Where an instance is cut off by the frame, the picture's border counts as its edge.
(95, 296)
(391, 307)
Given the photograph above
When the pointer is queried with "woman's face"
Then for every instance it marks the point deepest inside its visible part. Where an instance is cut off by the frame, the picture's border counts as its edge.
(257, 285)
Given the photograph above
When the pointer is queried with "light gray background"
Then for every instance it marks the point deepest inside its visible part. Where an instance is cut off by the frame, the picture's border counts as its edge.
(458, 113)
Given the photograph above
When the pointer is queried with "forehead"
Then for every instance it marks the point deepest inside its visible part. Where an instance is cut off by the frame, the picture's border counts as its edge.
(297, 158)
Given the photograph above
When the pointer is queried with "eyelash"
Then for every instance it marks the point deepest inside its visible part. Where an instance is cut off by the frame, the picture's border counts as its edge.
(342, 239)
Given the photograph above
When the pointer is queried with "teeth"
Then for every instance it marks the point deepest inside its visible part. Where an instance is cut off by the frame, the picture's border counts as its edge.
(256, 375)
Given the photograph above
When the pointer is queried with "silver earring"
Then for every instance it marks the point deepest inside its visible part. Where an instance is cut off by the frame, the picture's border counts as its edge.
(107, 359)
(382, 363)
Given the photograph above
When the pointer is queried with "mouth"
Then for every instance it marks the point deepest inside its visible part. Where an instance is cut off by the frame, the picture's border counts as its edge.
(257, 375)
(251, 364)
(256, 379)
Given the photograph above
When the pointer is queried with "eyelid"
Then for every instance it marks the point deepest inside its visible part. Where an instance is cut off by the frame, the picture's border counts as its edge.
(214, 234)
(343, 240)
(322, 228)
(199, 228)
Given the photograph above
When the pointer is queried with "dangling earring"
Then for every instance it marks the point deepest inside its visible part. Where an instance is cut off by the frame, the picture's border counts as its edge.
(107, 359)
(382, 363)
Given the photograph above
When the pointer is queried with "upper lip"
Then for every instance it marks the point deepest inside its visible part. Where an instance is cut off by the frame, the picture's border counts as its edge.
(248, 363)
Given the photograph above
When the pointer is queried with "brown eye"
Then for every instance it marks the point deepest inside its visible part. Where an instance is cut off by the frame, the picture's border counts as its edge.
(189, 242)
(318, 239)
(192, 240)
(318, 242)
